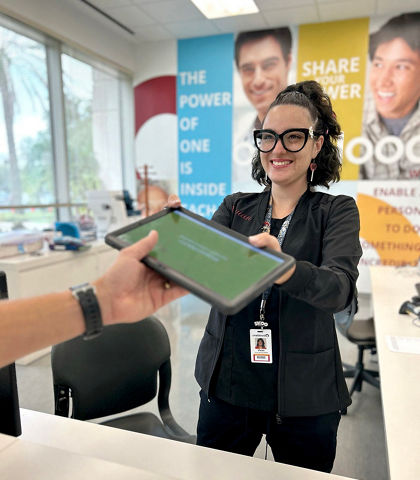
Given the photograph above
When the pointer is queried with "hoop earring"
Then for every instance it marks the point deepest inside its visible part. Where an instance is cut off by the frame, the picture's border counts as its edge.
(312, 167)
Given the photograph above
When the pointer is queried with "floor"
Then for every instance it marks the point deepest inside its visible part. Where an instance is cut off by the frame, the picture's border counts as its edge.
(361, 451)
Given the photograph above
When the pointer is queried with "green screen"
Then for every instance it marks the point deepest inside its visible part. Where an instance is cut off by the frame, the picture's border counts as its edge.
(209, 257)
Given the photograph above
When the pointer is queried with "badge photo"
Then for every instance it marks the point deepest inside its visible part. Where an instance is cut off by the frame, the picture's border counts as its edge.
(261, 348)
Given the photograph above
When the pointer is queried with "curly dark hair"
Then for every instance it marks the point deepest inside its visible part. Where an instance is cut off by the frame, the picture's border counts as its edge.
(310, 95)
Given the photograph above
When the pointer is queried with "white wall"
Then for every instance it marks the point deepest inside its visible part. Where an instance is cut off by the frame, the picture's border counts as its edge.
(68, 20)
(155, 59)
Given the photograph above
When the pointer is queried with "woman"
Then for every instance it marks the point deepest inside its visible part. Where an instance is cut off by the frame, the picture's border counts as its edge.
(296, 400)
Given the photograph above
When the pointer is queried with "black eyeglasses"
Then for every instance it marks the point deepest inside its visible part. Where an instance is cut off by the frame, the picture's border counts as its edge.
(293, 139)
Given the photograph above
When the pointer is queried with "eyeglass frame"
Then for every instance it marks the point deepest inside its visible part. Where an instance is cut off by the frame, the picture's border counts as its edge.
(308, 132)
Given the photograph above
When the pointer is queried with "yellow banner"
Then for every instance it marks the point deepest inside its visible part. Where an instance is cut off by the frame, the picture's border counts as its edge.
(335, 54)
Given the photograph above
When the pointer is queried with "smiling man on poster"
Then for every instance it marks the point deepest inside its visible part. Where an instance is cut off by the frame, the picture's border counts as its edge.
(263, 60)
(392, 112)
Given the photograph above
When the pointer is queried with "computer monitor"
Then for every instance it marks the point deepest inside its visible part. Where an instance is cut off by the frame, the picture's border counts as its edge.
(9, 400)
(108, 208)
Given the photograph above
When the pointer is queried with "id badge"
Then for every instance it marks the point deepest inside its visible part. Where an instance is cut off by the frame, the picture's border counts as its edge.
(261, 348)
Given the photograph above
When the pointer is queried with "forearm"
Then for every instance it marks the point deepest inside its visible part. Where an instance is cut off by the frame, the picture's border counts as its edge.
(329, 289)
(330, 286)
(32, 324)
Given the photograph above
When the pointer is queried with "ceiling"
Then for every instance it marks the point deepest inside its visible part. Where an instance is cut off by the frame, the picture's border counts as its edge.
(154, 20)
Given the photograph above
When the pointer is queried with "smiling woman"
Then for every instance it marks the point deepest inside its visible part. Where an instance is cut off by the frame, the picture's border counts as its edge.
(292, 111)
(287, 162)
(300, 370)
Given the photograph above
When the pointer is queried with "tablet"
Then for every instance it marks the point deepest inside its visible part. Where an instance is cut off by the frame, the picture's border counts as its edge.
(211, 261)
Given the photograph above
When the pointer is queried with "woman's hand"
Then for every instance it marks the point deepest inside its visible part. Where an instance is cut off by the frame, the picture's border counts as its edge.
(262, 240)
(173, 201)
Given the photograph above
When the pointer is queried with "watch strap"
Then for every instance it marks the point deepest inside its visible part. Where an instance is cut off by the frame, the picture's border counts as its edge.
(88, 301)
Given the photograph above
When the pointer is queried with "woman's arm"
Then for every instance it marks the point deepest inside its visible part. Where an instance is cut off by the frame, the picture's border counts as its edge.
(331, 285)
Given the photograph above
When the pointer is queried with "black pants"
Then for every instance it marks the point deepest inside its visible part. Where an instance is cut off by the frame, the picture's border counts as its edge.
(308, 442)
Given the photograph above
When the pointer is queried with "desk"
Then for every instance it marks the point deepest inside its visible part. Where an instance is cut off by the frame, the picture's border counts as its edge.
(54, 271)
(23, 460)
(49, 441)
(399, 372)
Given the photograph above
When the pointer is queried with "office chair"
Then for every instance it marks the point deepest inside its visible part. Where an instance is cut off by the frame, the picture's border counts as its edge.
(362, 333)
(115, 372)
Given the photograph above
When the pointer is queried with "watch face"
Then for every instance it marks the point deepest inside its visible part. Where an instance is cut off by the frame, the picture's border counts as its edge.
(82, 287)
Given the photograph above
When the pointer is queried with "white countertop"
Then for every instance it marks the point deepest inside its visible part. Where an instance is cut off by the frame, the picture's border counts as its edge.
(47, 257)
(399, 372)
(55, 447)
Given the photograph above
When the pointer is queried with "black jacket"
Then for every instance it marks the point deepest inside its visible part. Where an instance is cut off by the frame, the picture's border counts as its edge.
(323, 237)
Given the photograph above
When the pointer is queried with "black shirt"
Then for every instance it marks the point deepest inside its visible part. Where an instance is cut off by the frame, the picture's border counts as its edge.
(234, 370)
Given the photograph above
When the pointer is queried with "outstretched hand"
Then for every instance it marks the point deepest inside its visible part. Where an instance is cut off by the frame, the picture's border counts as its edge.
(130, 291)
(266, 240)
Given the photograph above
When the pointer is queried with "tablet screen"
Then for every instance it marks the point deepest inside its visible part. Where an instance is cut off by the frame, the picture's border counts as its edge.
(210, 257)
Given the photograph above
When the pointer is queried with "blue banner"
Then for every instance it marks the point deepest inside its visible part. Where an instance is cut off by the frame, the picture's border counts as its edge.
(204, 107)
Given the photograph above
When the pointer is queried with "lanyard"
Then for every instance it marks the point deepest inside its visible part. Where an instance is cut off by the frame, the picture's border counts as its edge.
(280, 238)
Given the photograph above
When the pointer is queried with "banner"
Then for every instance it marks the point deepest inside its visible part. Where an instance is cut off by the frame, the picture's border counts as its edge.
(391, 232)
(204, 106)
(389, 146)
(334, 54)
(390, 141)
(264, 65)
(370, 68)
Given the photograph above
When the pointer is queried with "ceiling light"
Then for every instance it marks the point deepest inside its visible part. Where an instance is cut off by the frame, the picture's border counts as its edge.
(225, 8)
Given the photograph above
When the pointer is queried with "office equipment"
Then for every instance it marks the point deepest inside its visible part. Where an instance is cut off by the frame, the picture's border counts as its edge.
(69, 229)
(20, 241)
(361, 333)
(128, 200)
(9, 400)
(410, 308)
(115, 372)
(108, 208)
(403, 344)
(69, 243)
(212, 261)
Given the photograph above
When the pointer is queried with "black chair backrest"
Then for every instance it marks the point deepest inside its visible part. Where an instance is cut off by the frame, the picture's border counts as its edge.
(113, 372)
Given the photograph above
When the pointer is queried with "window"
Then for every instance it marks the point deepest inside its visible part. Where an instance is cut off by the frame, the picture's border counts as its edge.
(26, 163)
(92, 120)
(62, 118)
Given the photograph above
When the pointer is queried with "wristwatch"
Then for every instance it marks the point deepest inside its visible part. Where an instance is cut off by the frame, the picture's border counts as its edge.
(86, 296)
